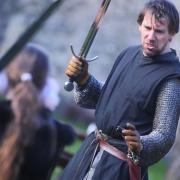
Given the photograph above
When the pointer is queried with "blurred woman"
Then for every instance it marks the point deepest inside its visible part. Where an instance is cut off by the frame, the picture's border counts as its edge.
(30, 139)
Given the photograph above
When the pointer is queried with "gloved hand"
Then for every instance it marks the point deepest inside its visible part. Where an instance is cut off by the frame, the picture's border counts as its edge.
(132, 138)
(78, 70)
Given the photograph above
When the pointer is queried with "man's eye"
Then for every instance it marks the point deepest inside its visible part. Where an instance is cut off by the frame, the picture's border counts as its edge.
(160, 31)
(148, 28)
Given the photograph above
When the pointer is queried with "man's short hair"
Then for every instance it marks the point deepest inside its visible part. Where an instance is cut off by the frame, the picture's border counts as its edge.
(162, 9)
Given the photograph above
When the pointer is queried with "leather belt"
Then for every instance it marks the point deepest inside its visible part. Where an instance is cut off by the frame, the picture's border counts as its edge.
(112, 150)
(134, 170)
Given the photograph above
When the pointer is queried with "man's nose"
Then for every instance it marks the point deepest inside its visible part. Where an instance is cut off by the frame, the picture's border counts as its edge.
(151, 35)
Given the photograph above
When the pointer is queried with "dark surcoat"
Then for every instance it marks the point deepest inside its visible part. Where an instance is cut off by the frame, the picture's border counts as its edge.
(129, 95)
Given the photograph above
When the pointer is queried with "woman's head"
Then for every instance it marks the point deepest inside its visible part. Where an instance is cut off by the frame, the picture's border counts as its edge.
(32, 59)
(25, 107)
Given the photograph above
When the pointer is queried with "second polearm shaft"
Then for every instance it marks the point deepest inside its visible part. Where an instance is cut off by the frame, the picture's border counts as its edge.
(27, 35)
(89, 38)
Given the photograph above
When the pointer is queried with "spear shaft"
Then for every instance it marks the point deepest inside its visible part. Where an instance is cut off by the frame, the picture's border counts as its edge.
(26, 36)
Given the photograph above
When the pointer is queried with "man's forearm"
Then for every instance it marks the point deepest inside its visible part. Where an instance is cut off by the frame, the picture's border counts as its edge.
(87, 95)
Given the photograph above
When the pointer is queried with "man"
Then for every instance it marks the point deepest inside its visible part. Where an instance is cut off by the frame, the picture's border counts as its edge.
(140, 99)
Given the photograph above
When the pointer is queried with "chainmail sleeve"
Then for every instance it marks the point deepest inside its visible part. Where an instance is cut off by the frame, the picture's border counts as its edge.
(162, 137)
(87, 95)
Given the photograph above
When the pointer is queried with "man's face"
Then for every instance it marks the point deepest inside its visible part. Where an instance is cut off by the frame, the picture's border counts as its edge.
(155, 36)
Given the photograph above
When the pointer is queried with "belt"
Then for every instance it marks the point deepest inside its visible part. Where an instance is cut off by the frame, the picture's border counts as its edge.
(134, 170)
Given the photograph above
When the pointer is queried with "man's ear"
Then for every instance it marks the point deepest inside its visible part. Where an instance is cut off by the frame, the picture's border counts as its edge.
(171, 36)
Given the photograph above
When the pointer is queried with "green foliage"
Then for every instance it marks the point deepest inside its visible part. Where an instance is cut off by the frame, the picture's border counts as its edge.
(157, 171)
(56, 173)
(73, 148)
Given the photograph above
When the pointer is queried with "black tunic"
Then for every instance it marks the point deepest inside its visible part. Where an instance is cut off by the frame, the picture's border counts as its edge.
(129, 95)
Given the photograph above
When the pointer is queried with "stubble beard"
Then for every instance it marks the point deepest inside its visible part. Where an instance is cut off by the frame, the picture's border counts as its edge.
(154, 52)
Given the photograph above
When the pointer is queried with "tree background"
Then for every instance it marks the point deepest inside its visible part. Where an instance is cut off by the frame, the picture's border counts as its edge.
(69, 25)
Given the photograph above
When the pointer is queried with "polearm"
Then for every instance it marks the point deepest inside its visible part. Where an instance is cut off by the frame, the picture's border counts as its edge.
(26, 36)
(89, 40)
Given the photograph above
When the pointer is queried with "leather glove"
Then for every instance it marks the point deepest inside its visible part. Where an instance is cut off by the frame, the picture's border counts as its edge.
(78, 70)
(132, 138)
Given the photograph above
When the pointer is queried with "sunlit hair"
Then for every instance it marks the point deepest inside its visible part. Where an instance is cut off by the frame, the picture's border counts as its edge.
(40, 67)
(162, 9)
(34, 60)
(20, 131)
